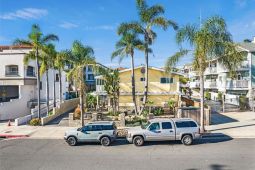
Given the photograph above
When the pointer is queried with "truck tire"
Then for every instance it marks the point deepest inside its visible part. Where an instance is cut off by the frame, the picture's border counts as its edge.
(72, 141)
(138, 141)
(105, 141)
(187, 139)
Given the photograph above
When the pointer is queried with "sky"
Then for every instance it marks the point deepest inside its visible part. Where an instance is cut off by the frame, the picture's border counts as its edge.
(94, 23)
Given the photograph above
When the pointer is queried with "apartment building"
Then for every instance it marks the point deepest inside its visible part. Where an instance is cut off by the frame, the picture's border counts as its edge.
(217, 77)
(162, 86)
(18, 87)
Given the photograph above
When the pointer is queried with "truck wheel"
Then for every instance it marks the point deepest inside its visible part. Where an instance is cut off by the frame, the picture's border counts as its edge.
(187, 140)
(138, 141)
(105, 141)
(72, 141)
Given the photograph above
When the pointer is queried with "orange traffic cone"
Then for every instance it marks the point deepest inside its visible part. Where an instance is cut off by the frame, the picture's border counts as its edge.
(9, 123)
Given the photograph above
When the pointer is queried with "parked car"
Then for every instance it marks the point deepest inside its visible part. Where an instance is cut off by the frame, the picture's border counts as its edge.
(183, 129)
(103, 132)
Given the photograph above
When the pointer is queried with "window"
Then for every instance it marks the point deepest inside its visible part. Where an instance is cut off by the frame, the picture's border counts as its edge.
(142, 79)
(166, 125)
(30, 71)
(185, 124)
(90, 77)
(154, 126)
(165, 80)
(57, 77)
(87, 128)
(90, 68)
(108, 127)
(96, 127)
(12, 70)
(141, 99)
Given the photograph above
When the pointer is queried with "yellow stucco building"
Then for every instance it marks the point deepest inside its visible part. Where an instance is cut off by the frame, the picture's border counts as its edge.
(162, 86)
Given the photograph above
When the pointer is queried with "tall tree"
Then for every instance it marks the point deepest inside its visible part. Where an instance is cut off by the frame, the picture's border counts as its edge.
(80, 57)
(36, 40)
(149, 18)
(61, 60)
(126, 47)
(112, 87)
(47, 57)
(209, 41)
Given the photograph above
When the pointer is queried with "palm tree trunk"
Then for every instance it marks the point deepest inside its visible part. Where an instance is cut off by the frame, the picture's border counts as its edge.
(47, 92)
(81, 96)
(133, 83)
(146, 79)
(60, 86)
(38, 84)
(202, 129)
(54, 88)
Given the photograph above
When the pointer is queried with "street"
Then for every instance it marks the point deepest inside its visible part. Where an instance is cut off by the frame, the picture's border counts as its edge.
(50, 154)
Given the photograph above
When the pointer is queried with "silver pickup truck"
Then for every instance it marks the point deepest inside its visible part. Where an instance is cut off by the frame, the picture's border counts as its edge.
(183, 129)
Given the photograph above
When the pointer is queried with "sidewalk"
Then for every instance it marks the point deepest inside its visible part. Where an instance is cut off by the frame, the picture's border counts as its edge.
(236, 125)
(49, 132)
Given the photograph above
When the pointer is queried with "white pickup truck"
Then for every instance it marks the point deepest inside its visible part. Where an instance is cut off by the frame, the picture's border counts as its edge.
(183, 129)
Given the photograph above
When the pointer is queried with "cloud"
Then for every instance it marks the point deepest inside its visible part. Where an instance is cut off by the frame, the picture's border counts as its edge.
(68, 25)
(26, 13)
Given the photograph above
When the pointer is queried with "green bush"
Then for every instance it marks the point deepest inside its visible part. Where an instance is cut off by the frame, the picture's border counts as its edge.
(219, 96)
(136, 121)
(243, 103)
(208, 95)
(35, 122)
(111, 113)
(158, 111)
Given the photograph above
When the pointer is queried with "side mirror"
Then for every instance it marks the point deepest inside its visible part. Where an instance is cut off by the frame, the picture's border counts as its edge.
(79, 129)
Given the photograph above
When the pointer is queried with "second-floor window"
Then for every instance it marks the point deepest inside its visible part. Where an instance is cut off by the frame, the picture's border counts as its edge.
(11, 70)
(57, 77)
(165, 80)
(30, 71)
(142, 79)
(90, 68)
(90, 77)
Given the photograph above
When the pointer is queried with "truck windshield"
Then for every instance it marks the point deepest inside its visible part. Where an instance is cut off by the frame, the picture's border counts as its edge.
(144, 126)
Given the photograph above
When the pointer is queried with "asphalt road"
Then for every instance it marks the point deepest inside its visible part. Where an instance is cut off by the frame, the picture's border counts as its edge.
(212, 154)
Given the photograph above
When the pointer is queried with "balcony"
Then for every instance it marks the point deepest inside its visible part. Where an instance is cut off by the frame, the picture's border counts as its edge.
(211, 70)
(232, 84)
(210, 84)
(194, 84)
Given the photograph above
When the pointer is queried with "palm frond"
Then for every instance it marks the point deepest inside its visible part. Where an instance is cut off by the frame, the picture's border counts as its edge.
(20, 42)
(50, 37)
(186, 33)
(28, 57)
(173, 60)
(135, 27)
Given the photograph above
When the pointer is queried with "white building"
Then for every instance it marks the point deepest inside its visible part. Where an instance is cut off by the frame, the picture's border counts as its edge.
(18, 83)
(217, 77)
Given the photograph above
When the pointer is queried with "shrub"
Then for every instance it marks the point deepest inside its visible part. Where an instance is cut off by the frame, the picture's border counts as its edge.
(219, 96)
(111, 113)
(208, 95)
(35, 122)
(77, 113)
(243, 103)
(158, 111)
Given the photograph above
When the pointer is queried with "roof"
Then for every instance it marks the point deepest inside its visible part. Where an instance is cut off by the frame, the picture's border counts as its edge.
(10, 47)
(247, 46)
(154, 68)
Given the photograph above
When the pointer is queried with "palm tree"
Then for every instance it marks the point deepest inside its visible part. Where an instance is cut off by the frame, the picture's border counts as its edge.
(80, 57)
(125, 47)
(36, 40)
(150, 17)
(60, 65)
(209, 41)
(48, 56)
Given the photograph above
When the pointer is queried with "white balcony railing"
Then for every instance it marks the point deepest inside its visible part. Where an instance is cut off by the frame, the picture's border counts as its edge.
(211, 70)
(194, 84)
(210, 84)
(237, 84)
(100, 88)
